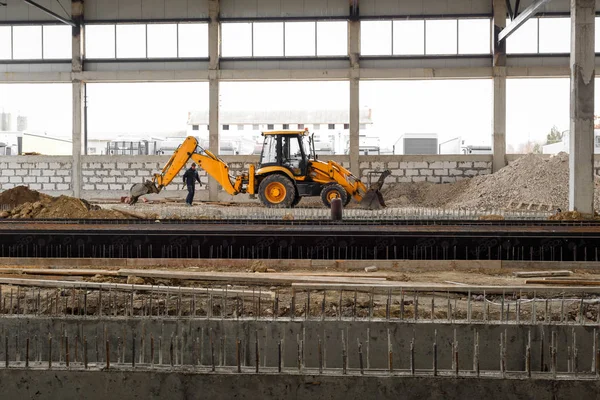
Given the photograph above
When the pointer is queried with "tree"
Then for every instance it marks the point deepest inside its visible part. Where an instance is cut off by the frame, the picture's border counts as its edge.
(554, 136)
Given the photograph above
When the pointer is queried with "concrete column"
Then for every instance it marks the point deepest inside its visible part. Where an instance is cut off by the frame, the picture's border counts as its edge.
(499, 96)
(581, 137)
(214, 53)
(213, 132)
(354, 54)
(77, 45)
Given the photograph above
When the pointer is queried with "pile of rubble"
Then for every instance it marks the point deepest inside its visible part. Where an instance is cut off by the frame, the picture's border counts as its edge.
(32, 204)
(531, 179)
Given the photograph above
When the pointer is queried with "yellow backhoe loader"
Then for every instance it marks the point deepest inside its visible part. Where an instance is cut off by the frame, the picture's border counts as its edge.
(288, 170)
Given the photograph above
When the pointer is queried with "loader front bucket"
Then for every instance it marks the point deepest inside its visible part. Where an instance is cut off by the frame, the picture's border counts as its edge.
(373, 199)
(140, 189)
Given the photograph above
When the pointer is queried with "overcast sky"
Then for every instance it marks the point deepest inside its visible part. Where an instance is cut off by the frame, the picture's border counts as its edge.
(449, 108)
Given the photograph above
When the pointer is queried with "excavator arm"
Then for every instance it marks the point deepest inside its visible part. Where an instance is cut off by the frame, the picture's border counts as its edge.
(206, 160)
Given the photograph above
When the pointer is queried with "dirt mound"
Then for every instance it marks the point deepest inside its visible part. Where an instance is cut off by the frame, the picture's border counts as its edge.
(21, 195)
(530, 179)
(63, 207)
(422, 194)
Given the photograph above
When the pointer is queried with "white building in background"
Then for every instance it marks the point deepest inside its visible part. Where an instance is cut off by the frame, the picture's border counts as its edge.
(563, 146)
(240, 131)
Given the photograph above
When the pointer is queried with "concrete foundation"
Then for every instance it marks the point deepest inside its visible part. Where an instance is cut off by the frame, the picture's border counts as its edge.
(66, 385)
(191, 340)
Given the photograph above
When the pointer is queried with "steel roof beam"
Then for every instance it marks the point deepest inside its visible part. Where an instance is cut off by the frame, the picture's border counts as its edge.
(522, 18)
(51, 13)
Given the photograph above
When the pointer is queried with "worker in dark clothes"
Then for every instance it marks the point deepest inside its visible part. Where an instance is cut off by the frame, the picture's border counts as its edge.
(189, 178)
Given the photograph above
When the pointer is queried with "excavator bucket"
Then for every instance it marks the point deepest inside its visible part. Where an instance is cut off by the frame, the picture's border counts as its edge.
(140, 189)
(373, 199)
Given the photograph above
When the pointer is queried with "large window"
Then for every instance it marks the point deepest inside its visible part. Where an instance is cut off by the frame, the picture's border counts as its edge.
(300, 39)
(524, 39)
(27, 42)
(267, 39)
(543, 35)
(441, 36)
(409, 37)
(332, 38)
(555, 35)
(426, 37)
(57, 41)
(35, 42)
(376, 38)
(5, 43)
(100, 41)
(474, 36)
(162, 40)
(133, 41)
(284, 39)
(236, 39)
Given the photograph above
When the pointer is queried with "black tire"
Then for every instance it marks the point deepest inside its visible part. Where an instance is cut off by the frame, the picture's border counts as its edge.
(277, 191)
(331, 191)
(296, 200)
(348, 199)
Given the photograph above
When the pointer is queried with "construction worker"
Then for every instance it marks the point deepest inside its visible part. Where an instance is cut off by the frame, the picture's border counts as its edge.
(189, 178)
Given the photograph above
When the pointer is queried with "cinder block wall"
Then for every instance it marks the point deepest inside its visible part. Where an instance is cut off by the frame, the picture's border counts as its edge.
(435, 169)
(48, 174)
(111, 176)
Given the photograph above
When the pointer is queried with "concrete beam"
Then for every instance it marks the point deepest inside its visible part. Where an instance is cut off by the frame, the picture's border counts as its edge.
(533, 71)
(581, 139)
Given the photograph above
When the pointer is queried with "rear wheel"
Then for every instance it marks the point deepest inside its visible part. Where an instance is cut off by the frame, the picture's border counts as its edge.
(276, 191)
(333, 191)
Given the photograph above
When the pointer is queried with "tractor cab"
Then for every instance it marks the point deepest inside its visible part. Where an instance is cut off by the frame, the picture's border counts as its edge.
(287, 149)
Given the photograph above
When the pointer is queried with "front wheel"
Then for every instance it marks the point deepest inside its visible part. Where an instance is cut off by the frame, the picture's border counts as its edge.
(276, 191)
(333, 191)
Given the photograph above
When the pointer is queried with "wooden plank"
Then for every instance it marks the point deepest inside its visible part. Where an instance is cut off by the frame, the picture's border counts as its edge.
(580, 282)
(66, 272)
(536, 274)
(127, 287)
(242, 277)
(384, 287)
